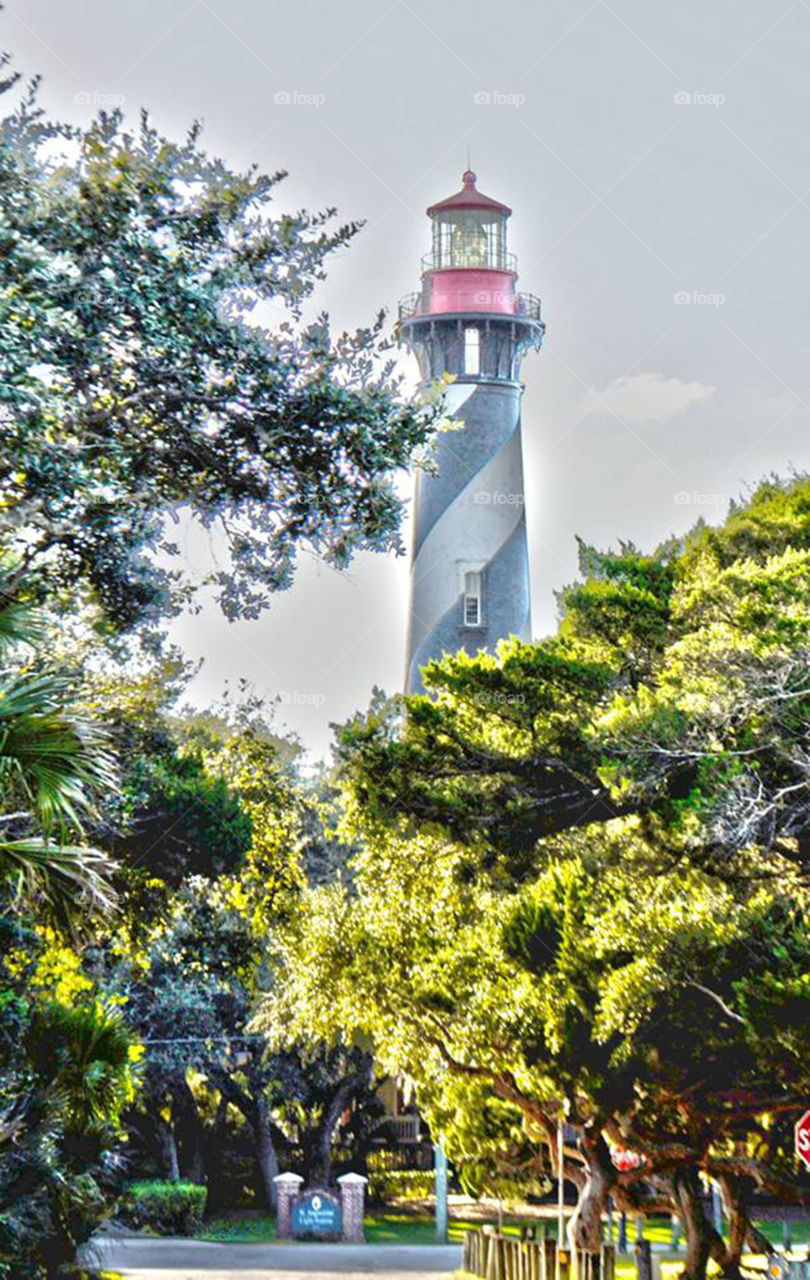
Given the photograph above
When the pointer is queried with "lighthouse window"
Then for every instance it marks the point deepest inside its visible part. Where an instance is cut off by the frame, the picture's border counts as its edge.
(469, 244)
(472, 599)
(472, 351)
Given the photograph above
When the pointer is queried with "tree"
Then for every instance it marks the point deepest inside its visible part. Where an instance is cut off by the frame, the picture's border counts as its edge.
(664, 726)
(625, 1002)
(67, 1071)
(54, 763)
(675, 690)
(136, 383)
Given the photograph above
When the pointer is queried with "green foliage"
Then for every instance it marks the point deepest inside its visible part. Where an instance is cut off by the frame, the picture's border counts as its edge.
(387, 1185)
(67, 1072)
(164, 1208)
(136, 381)
(87, 1053)
(54, 764)
(675, 690)
(643, 1001)
(179, 818)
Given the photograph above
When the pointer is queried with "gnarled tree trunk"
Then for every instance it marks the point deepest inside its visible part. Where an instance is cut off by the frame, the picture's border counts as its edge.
(168, 1150)
(266, 1151)
(585, 1227)
(702, 1241)
(188, 1127)
(738, 1223)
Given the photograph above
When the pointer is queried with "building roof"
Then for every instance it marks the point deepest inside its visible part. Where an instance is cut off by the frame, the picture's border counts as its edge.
(469, 198)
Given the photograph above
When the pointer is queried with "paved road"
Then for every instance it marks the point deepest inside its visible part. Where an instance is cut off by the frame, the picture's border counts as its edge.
(145, 1259)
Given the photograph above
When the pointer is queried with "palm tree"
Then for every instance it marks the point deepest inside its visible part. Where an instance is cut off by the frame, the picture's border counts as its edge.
(53, 762)
(85, 1055)
(77, 1064)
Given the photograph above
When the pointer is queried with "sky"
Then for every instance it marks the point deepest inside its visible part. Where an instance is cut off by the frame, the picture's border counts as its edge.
(657, 160)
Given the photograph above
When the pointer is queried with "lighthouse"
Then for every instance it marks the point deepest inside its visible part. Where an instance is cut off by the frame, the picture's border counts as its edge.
(470, 560)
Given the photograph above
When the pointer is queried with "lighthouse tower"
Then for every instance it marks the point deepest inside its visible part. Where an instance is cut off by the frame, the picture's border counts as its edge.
(470, 561)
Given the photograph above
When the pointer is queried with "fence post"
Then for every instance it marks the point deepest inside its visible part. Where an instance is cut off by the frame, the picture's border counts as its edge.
(644, 1260)
(549, 1258)
(489, 1268)
(500, 1257)
(608, 1262)
(622, 1232)
(675, 1237)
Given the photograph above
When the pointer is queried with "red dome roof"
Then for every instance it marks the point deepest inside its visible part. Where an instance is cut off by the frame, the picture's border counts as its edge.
(469, 198)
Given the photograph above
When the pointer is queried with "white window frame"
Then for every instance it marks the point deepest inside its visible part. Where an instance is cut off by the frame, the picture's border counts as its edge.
(472, 593)
(472, 350)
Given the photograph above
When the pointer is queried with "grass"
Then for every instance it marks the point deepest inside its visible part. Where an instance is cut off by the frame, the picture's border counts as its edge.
(380, 1228)
(390, 1226)
(403, 1226)
(799, 1231)
(246, 1229)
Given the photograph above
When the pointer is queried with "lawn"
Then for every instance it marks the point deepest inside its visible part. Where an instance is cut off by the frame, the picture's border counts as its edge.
(401, 1226)
(380, 1228)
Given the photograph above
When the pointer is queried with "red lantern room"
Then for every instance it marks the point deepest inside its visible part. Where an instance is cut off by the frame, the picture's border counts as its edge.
(469, 268)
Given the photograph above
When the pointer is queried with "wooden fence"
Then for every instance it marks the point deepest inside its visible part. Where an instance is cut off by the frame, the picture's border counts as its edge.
(497, 1257)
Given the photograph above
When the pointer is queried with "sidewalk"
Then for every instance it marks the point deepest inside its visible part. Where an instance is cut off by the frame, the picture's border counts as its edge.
(142, 1258)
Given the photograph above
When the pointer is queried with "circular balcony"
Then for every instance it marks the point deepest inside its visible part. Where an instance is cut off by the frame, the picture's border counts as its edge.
(526, 305)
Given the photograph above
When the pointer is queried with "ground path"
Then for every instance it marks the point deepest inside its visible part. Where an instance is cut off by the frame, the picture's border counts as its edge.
(141, 1258)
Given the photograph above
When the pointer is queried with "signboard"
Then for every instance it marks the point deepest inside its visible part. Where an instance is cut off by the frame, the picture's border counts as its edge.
(317, 1213)
(803, 1139)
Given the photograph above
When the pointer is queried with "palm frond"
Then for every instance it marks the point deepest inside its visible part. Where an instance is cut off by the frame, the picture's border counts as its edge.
(69, 885)
(52, 760)
(88, 1048)
(20, 622)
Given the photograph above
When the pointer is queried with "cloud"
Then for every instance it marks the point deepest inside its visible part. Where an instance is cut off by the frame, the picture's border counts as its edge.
(645, 397)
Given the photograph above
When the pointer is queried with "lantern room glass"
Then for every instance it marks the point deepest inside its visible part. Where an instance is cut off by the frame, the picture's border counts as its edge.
(469, 238)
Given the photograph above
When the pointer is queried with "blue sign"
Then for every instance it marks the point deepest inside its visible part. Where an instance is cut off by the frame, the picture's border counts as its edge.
(317, 1213)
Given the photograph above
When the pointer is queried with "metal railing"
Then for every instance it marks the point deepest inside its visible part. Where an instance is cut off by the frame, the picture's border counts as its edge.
(526, 304)
(407, 1128)
(410, 305)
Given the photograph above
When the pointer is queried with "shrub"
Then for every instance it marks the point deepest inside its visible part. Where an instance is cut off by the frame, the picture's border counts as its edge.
(385, 1185)
(167, 1208)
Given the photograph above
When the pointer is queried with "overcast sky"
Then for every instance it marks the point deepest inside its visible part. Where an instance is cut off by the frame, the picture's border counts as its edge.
(657, 159)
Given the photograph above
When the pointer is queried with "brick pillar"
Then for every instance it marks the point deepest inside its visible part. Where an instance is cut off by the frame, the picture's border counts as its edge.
(287, 1185)
(353, 1204)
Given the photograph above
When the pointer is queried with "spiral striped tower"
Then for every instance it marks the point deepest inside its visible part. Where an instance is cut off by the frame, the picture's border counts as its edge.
(470, 559)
